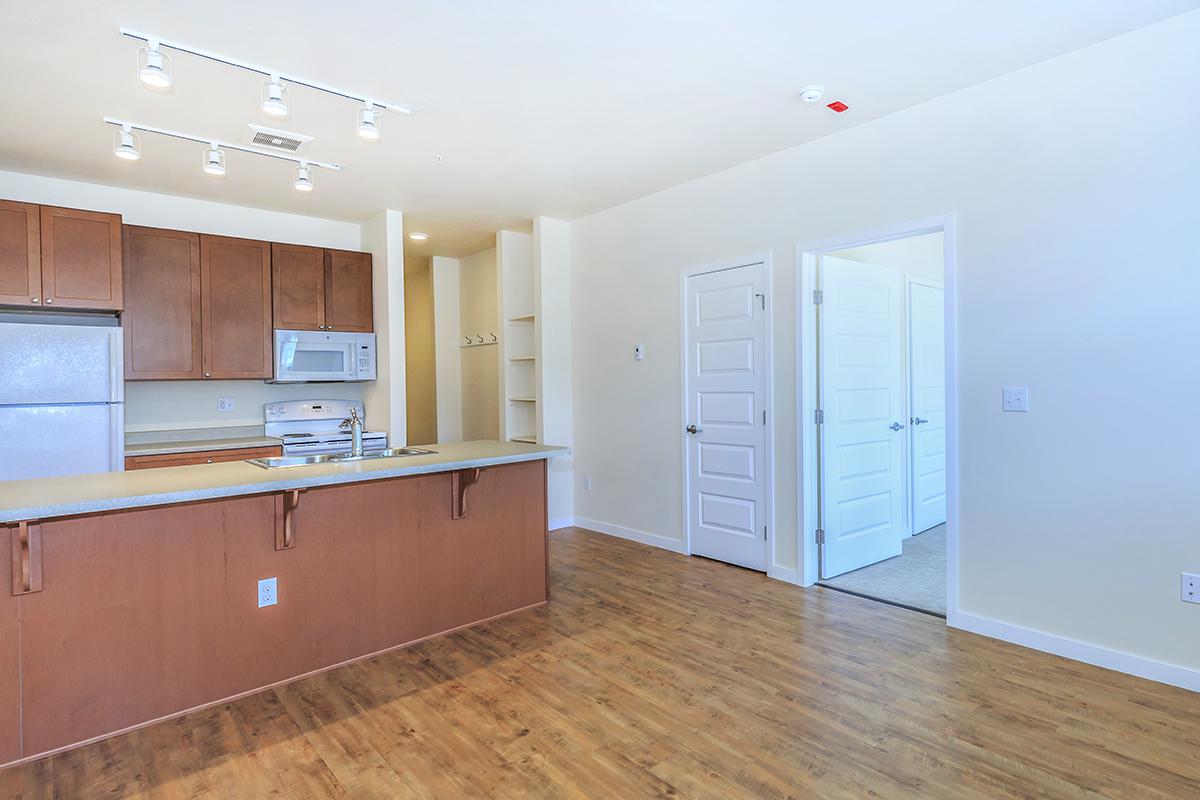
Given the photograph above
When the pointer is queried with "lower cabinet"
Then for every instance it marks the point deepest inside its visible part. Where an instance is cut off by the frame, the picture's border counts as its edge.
(10, 664)
(200, 457)
(148, 613)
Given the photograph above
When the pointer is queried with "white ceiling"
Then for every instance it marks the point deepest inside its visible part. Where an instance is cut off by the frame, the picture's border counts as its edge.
(538, 108)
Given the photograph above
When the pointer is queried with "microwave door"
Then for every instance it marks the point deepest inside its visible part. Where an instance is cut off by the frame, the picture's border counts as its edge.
(299, 360)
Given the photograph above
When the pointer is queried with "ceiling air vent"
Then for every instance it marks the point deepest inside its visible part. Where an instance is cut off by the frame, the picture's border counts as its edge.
(277, 139)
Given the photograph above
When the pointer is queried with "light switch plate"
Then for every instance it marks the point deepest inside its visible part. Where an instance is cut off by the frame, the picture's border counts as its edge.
(639, 352)
(1016, 398)
(268, 592)
(1189, 588)
(226, 404)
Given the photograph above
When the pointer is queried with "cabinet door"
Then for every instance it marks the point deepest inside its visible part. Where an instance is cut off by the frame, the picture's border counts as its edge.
(200, 457)
(298, 287)
(348, 291)
(10, 659)
(20, 254)
(235, 307)
(81, 259)
(162, 304)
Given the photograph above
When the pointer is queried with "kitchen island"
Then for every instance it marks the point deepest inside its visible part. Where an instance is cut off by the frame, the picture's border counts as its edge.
(135, 595)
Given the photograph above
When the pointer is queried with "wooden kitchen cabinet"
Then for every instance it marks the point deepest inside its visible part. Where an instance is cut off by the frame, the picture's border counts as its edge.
(20, 254)
(81, 259)
(235, 307)
(348, 291)
(298, 287)
(200, 457)
(162, 304)
(10, 660)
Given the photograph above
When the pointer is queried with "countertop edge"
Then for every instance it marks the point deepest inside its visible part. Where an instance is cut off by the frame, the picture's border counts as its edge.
(52, 511)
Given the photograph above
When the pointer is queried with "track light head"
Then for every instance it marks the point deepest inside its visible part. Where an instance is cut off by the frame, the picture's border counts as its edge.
(126, 145)
(274, 100)
(303, 181)
(370, 122)
(214, 161)
(154, 68)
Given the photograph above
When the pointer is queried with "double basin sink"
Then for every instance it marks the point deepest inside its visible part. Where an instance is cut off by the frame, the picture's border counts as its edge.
(275, 462)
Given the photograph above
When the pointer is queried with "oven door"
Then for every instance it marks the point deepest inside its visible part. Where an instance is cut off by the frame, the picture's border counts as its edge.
(302, 356)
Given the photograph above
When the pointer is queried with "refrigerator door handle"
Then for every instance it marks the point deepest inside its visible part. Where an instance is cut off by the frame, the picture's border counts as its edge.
(116, 437)
(116, 367)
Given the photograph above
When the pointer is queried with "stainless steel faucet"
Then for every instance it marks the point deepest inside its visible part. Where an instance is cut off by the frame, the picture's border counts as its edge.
(356, 429)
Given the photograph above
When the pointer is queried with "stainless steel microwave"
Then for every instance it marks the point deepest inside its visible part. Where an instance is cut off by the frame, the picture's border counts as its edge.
(315, 356)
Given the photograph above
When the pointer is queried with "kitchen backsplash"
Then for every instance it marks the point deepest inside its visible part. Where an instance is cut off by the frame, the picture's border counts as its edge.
(170, 405)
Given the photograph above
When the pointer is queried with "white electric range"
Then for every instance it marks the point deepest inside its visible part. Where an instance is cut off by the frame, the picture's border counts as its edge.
(311, 427)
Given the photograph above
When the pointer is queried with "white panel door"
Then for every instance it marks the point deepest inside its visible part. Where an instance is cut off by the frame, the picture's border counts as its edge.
(725, 388)
(49, 441)
(862, 391)
(927, 403)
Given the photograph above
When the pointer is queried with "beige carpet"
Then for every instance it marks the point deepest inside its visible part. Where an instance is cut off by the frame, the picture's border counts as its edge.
(916, 578)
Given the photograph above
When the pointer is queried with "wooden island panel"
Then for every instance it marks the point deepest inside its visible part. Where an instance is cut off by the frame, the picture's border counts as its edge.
(148, 613)
(10, 662)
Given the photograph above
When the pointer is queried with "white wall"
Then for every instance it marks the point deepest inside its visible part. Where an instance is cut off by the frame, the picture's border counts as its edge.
(420, 368)
(1074, 185)
(384, 398)
(918, 256)
(480, 365)
(447, 314)
(152, 405)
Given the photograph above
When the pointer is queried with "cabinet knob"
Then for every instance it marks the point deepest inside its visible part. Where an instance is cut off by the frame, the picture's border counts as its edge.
(208, 374)
(330, 327)
(33, 299)
(209, 461)
(49, 300)
(322, 327)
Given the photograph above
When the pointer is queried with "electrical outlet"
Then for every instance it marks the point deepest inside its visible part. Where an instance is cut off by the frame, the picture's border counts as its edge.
(639, 352)
(587, 483)
(268, 592)
(225, 404)
(1189, 589)
(1016, 398)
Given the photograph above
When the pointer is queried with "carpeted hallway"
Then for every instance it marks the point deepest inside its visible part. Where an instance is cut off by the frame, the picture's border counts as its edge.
(916, 578)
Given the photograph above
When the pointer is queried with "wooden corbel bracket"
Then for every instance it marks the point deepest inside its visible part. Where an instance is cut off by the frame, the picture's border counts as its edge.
(26, 537)
(285, 527)
(460, 481)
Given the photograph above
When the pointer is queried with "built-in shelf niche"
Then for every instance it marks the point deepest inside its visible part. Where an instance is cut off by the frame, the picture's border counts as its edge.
(519, 417)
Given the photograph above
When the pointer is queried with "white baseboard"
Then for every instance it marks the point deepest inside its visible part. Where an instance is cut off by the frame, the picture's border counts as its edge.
(785, 574)
(621, 532)
(1142, 667)
(561, 522)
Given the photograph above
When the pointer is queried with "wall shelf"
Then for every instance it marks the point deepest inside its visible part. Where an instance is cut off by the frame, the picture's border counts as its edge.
(523, 359)
(522, 399)
(523, 439)
(522, 318)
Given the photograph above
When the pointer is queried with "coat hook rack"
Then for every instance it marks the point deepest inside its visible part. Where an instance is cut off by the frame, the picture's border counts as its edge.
(478, 340)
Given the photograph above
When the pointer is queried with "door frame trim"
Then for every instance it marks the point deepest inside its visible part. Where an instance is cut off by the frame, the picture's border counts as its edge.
(772, 569)
(807, 254)
(911, 468)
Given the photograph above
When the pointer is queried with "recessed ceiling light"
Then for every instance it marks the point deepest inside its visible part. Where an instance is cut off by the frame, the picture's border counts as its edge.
(126, 144)
(303, 181)
(418, 237)
(275, 97)
(214, 161)
(154, 68)
(370, 119)
(811, 95)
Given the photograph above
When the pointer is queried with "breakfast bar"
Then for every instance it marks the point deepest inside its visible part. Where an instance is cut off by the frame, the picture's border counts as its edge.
(135, 596)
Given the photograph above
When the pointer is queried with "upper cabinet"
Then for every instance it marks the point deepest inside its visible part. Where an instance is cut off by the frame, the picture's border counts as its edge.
(59, 258)
(162, 304)
(20, 254)
(235, 307)
(81, 259)
(298, 287)
(321, 290)
(348, 291)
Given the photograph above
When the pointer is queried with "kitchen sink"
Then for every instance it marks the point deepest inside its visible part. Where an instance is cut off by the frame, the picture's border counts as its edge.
(276, 462)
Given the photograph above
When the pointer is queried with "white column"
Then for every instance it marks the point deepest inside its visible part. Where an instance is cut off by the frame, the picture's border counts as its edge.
(552, 336)
(447, 352)
(384, 398)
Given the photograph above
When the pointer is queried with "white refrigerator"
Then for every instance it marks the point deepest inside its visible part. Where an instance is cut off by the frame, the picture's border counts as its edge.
(62, 396)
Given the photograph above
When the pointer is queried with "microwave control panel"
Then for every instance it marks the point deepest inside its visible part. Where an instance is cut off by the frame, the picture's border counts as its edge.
(364, 347)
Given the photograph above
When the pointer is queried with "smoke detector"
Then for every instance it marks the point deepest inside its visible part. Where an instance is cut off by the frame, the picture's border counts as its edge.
(811, 95)
(275, 139)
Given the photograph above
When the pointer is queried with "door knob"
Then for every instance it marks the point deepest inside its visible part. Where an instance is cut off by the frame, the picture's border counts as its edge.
(895, 426)
(918, 421)
(692, 429)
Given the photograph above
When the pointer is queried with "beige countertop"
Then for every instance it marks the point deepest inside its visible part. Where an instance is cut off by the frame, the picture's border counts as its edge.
(44, 498)
(199, 445)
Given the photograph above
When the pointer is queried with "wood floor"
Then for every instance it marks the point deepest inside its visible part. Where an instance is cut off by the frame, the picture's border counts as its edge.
(651, 675)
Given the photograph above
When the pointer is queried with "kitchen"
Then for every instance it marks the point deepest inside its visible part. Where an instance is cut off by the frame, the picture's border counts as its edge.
(97, 312)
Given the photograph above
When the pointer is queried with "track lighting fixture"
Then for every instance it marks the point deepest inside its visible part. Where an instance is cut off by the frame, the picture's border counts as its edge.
(370, 122)
(214, 161)
(303, 181)
(275, 97)
(154, 68)
(127, 145)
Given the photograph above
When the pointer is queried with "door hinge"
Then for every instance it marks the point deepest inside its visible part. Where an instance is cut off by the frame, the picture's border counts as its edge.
(764, 532)
(818, 416)
(818, 297)
(764, 416)
(820, 536)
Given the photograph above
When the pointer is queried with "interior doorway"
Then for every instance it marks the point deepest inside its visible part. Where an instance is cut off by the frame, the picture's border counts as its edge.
(879, 369)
